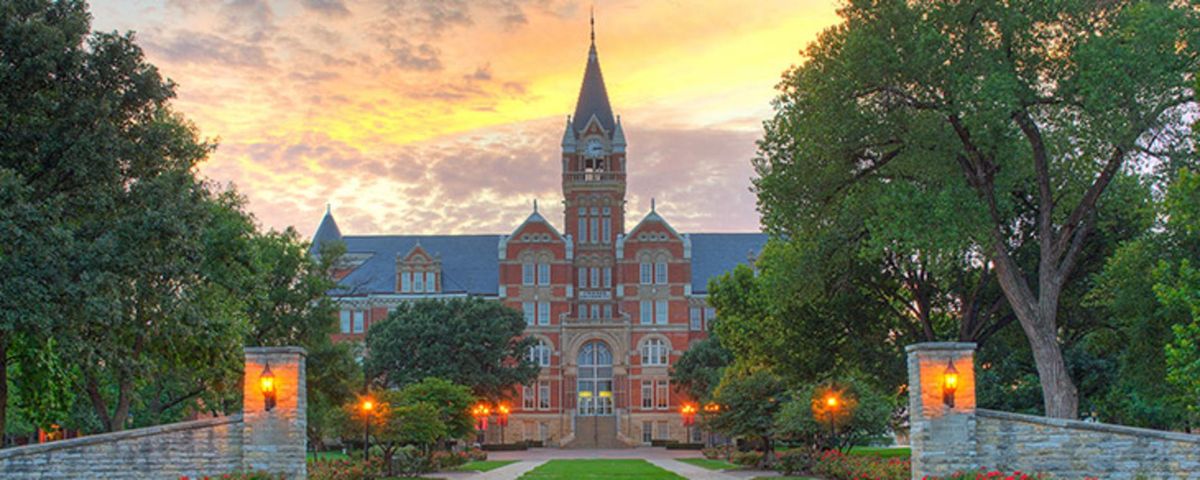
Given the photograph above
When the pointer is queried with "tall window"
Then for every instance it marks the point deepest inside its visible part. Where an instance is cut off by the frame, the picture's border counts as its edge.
(654, 352)
(660, 312)
(607, 277)
(418, 282)
(527, 274)
(608, 311)
(583, 225)
(406, 282)
(661, 396)
(528, 401)
(647, 394)
(695, 318)
(660, 273)
(540, 354)
(345, 321)
(664, 430)
(543, 313)
(430, 282)
(543, 274)
(543, 395)
(359, 321)
(647, 272)
(606, 226)
(648, 432)
(647, 312)
(582, 277)
(710, 314)
(595, 234)
(530, 313)
(583, 312)
(595, 311)
(595, 276)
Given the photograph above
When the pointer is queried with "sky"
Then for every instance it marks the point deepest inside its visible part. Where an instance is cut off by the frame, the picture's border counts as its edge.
(427, 116)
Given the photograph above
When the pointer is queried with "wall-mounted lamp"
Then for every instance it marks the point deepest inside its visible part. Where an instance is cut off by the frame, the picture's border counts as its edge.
(266, 383)
(949, 384)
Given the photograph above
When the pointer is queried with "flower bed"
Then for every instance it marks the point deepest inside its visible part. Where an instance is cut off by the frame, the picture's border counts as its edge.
(834, 465)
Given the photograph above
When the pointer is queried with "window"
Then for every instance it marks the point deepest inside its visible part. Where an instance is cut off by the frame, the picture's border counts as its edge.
(647, 394)
(654, 352)
(582, 227)
(528, 402)
(540, 354)
(544, 313)
(647, 273)
(596, 311)
(582, 312)
(595, 274)
(529, 312)
(664, 430)
(648, 432)
(695, 318)
(605, 227)
(345, 321)
(582, 277)
(527, 274)
(430, 282)
(543, 274)
(543, 395)
(660, 312)
(608, 312)
(543, 431)
(710, 314)
(607, 277)
(647, 312)
(359, 320)
(595, 234)
(418, 282)
(660, 273)
(661, 396)
(406, 282)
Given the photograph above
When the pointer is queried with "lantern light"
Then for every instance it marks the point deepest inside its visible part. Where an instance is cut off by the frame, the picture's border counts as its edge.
(368, 405)
(949, 383)
(266, 384)
(831, 401)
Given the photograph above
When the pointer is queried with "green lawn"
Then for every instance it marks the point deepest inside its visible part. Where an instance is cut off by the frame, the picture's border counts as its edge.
(784, 478)
(709, 464)
(330, 455)
(882, 452)
(597, 469)
(484, 465)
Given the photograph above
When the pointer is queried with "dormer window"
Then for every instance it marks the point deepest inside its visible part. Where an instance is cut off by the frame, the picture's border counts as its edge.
(419, 272)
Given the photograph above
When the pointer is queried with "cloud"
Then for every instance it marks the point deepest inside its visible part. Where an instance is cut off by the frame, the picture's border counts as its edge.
(206, 48)
(331, 8)
(423, 57)
(483, 73)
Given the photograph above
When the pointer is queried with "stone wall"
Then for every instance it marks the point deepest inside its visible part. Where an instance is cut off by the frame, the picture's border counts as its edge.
(256, 440)
(192, 449)
(1071, 449)
(949, 434)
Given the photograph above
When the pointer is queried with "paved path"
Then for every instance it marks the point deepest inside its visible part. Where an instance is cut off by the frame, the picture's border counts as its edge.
(663, 458)
(507, 472)
(687, 470)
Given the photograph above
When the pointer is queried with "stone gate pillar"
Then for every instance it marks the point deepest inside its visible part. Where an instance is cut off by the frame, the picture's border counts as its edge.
(275, 441)
(942, 436)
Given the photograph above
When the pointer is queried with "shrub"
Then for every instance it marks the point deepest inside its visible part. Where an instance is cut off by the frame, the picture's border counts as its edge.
(797, 460)
(746, 459)
(410, 461)
(477, 455)
(443, 460)
(345, 469)
(836, 466)
(717, 453)
(985, 474)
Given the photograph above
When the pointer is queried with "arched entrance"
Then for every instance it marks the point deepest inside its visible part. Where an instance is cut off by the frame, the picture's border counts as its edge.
(595, 385)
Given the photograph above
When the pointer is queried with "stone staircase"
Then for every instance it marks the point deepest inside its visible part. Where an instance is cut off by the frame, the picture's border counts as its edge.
(596, 432)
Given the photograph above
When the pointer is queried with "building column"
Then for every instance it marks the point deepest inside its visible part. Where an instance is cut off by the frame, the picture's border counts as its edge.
(942, 426)
(275, 441)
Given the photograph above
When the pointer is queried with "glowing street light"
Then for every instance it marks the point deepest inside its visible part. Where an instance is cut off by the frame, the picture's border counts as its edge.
(367, 406)
(266, 384)
(949, 384)
(831, 401)
(688, 412)
(502, 420)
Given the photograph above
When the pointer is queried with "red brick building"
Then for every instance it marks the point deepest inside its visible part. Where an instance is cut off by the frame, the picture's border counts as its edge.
(612, 309)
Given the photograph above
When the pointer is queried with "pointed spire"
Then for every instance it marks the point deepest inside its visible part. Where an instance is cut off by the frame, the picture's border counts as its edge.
(619, 137)
(593, 21)
(652, 205)
(568, 140)
(327, 231)
(535, 206)
(593, 96)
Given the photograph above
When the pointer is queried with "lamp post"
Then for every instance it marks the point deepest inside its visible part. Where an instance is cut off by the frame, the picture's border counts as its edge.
(502, 420)
(688, 412)
(481, 412)
(832, 402)
(266, 384)
(949, 383)
(367, 407)
(711, 409)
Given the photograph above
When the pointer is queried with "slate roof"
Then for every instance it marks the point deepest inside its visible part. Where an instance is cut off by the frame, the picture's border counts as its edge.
(717, 253)
(470, 263)
(327, 231)
(593, 97)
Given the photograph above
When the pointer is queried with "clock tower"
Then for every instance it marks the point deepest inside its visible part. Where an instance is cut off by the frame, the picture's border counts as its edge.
(593, 180)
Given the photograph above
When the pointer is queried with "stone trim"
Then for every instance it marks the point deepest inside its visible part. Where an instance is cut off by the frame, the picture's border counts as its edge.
(1096, 427)
(112, 437)
(277, 351)
(940, 347)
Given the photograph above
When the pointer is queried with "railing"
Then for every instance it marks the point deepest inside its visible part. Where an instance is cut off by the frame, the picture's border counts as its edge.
(594, 177)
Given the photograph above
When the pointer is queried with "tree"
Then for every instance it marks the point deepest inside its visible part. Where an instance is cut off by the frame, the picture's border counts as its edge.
(749, 401)
(1017, 103)
(699, 370)
(467, 341)
(1177, 286)
(451, 402)
(861, 412)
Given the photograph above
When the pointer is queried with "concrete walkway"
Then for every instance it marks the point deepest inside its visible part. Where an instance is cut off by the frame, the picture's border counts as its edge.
(660, 457)
(689, 471)
(507, 472)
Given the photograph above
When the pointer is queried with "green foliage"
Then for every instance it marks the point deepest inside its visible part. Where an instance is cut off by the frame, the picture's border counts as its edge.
(1177, 286)
(699, 370)
(862, 412)
(749, 401)
(451, 404)
(468, 341)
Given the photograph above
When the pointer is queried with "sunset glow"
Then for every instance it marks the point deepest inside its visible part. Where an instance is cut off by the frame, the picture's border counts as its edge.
(445, 117)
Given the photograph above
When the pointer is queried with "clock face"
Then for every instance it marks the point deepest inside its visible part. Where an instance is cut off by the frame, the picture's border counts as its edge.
(594, 148)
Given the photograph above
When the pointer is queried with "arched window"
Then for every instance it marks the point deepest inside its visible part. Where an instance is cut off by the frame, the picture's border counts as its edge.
(595, 383)
(654, 352)
(539, 354)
